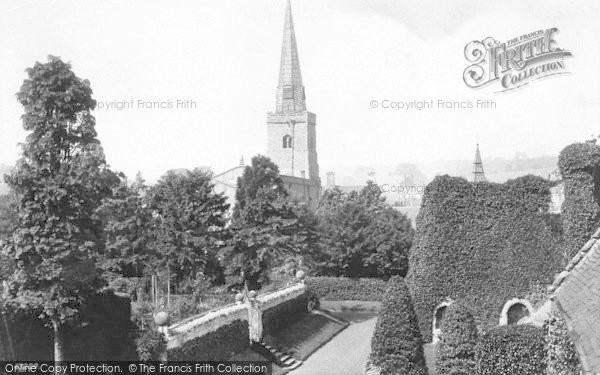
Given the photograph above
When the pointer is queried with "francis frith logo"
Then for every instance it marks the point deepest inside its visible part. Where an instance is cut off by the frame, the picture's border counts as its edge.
(514, 63)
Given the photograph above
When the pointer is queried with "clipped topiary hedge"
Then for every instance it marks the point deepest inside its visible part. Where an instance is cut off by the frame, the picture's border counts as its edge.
(219, 345)
(343, 288)
(579, 166)
(562, 356)
(284, 314)
(456, 349)
(513, 349)
(483, 243)
(397, 345)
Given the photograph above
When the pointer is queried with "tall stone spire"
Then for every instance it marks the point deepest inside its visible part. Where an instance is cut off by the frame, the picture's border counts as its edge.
(478, 175)
(290, 92)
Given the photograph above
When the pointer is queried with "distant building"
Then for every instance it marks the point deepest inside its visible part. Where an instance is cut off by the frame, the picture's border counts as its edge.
(291, 130)
(478, 174)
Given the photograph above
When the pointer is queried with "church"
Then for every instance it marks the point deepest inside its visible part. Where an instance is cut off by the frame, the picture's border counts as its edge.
(291, 131)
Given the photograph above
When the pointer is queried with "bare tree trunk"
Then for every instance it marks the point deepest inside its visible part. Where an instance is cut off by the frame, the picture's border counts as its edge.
(58, 342)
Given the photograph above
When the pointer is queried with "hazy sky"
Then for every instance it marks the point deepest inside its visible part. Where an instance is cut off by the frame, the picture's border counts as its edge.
(224, 55)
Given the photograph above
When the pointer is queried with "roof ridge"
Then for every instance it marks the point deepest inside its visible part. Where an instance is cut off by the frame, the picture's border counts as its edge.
(576, 260)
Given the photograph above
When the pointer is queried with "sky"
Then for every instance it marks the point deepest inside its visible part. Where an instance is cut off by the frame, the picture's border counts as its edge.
(224, 56)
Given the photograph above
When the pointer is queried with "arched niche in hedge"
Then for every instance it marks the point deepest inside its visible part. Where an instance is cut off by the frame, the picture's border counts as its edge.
(514, 310)
(438, 318)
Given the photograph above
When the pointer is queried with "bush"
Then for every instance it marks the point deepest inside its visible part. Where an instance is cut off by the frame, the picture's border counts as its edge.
(513, 349)
(456, 349)
(579, 166)
(484, 244)
(219, 345)
(397, 345)
(150, 345)
(562, 356)
(343, 288)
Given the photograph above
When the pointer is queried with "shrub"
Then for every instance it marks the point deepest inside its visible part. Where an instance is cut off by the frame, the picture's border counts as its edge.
(343, 288)
(562, 356)
(456, 349)
(513, 349)
(579, 166)
(219, 345)
(150, 345)
(482, 243)
(397, 345)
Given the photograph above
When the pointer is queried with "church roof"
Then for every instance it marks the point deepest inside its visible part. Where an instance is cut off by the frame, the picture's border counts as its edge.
(290, 91)
(577, 291)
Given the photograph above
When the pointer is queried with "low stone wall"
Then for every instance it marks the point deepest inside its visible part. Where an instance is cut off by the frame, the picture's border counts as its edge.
(201, 325)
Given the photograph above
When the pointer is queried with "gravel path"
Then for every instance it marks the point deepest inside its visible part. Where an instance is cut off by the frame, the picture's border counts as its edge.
(345, 354)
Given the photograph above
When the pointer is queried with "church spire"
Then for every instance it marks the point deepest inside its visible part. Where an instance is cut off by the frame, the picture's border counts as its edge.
(290, 92)
(478, 175)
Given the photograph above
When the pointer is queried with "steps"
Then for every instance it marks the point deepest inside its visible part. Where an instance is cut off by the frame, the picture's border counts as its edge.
(281, 359)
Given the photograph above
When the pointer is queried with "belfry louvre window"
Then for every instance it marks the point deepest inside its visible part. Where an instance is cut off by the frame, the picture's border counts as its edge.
(288, 92)
(287, 141)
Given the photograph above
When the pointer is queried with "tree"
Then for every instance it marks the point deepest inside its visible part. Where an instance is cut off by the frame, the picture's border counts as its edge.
(267, 225)
(363, 236)
(456, 349)
(189, 222)
(59, 182)
(129, 227)
(267, 229)
(397, 345)
(262, 173)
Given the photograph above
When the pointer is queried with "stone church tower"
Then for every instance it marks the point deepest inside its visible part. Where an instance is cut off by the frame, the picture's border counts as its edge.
(291, 129)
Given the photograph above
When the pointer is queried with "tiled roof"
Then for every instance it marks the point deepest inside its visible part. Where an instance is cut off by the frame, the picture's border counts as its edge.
(577, 291)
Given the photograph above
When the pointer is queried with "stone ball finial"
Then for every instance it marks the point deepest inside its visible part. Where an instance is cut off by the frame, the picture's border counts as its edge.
(300, 275)
(161, 318)
(239, 297)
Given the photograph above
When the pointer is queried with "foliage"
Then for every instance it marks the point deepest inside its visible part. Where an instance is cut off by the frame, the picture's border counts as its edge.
(579, 166)
(128, 230)
(512, 349)
(343, 288)
(219, 345)
(267, 226)
(361, 235)
(8, 215)
(262, 173)
(150, 345)
(562, 356)
(60, 181)
(484, 244)
(397, 346)
(189, 222)
(456, 349)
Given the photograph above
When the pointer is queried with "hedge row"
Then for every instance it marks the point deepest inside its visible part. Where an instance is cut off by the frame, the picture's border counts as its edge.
(342, 288)
(108, 333)
(284, 314)
(219, 345)
(562, 355)
(482, 243)
(579, 166)
(397, 345)
(513, 349)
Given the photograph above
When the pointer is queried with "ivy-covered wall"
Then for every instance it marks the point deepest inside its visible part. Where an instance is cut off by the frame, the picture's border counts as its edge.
(219, 345)
(344, 288)
(579, 166)
(483, 243)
